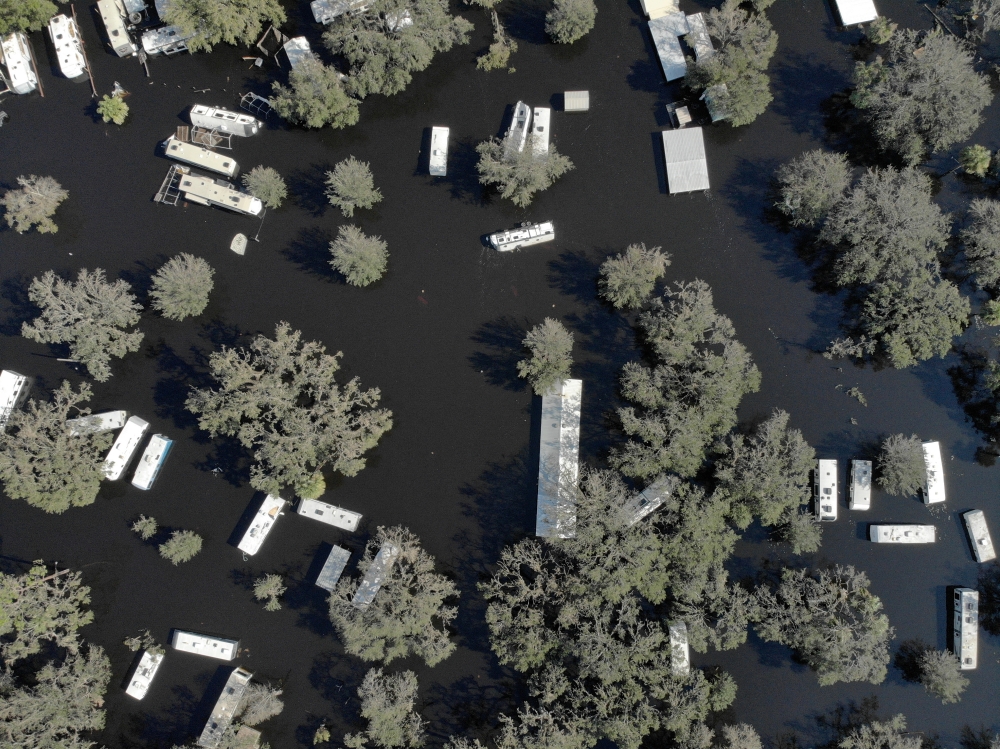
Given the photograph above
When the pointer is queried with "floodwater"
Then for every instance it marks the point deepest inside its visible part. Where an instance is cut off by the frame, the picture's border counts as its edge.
(440, 335)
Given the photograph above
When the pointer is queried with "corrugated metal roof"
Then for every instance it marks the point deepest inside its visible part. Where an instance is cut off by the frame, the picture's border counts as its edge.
(699, 38)
(333, 568)
(559, 460)
(684, 151)
(666, 31)
(852, 12)
(576, 101)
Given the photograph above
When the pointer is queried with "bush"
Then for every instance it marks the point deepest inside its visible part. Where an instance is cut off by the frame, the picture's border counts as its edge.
(266, 184)
(360, 258)
(975, 160)
(628, 278)
(901, 465)
(350, 185)
(112, 109)
(269, 588)
(570, 20)
(34, 204)
(145, 527)
(181, 287)
(551, 347)
(182, 546)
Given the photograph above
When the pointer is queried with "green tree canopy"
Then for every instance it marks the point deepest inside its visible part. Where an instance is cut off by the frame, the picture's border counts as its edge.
(551, 347)
(91, 315)
(41, 606)
(34, 204)
(921, 94)
(236, 22)
(44, 464)
(315, 97)
(281, 399)
(181, 287)
(745, 42)
(689, 396)
(941, 674)
(359, 257)
(387, 702)
(25, 15)
(901, 469)
(182, 546)
(351, 185)
(390, 40)
(811, 185)
(570, 20)
(519, 174)
(627, 279)
(831, 619)
(265, 183)
(112, 109)
(889, 734)
(409, 615)
(982, 242)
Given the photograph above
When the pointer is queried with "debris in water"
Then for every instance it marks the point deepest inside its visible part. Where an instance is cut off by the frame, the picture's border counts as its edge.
(239, 244)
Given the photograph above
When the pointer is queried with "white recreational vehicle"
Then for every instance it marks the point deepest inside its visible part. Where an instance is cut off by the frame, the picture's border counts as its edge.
(204, 190)
(166, 40)
(13, 390)
(262, 523)
(540, 129)
(213, 647)
(124, 448)
(65, 35)
(113, 14)
(189, 153)
(16, 57)
(102, 422)
(377, 573)
(902, 534)
(213, 118)
(338, 517)
(825, 490)
(152, 461)
(139, 683)
(934, 481)
(523, 236)
(861, 485)
(225, 709)
(517, 133)
(325, 11)
(979, 536)
(438, 166)
(966, 629)
(680, 653)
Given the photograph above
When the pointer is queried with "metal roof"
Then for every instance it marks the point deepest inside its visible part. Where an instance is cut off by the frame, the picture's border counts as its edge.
(559, 460)
(333, 568)
(666, 31)
(576, 101)
(684, 151)
(698, 37)
(852, 12)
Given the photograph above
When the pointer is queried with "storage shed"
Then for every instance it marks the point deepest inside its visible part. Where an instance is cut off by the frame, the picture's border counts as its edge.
(576, 101)
(684, 151)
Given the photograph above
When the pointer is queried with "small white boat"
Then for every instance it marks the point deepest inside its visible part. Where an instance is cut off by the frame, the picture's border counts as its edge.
(66, 39)
(152, 461)
(523, 236)
(16, 57)
(143, 676)
(902, 534)
(239, 244)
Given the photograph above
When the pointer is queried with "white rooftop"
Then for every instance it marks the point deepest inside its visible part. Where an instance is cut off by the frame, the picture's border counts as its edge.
(979, 535)
(261, 524)
(559, 460)
(853, 12)
(684, 152)
(934, 482)
(329, 514)
(213, 647)
(666, 31)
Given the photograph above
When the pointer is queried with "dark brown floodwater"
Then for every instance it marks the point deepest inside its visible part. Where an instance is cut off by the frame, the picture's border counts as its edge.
(439, 336)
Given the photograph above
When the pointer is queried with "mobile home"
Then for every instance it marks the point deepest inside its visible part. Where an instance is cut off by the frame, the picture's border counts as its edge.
(113, 15)
(934, 480)
(102, 422)
(16, 56)
(861, 485)
(123, 450)
(152, 461)
(214, 118)
(333, 568)
(166, 40)
(375, 576)
(902, 534)
(225, 709)
(138, 685)
(559, 460)
(297, 50)
(13, 390)
(825, 490)
(189, 153)
(680, 654)
(262, 523)
(65, 35)
(966, 627)
(540, 129)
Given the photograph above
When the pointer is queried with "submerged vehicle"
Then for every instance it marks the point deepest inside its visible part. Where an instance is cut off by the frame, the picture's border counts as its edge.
(902, 534)
(195, 155)
(861, 485)
(152, 461)
(825, 490)
(123, 450)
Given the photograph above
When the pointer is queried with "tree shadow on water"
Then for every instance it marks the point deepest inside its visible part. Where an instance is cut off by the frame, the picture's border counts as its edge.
(503, 340)
(310, 250)
(20, 309)
(308, 188)
(462, 178)
(575, 274)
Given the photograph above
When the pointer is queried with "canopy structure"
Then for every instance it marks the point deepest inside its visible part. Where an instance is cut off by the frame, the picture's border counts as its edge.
(684, 151)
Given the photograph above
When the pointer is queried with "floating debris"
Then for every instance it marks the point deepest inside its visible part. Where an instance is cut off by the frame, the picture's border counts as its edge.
(856, 393)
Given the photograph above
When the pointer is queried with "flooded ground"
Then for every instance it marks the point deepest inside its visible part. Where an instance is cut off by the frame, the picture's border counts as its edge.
(440, 336)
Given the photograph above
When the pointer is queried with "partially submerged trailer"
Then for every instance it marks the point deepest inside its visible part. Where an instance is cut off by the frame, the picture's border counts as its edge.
(114, 15)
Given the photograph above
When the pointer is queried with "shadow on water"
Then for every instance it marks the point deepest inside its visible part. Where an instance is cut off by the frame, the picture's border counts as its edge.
(21, 309)
(310, 250)
(171, 392)
(793, 79)
(503, 340)
(471, 707)
(462, 180)
(308, 188)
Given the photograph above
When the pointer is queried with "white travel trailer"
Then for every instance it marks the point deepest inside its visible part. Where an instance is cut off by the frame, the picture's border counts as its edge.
(66, 39)
(189, 153)
(152, 461)
(902, 534)
(217, 192)
(979, 536)
(540, 129)
(861, 485)
(966, 627)
(225, 709)
(559, 460)
(139, 683)
(325, 11)
(825, 490)
(213, 647)
(16, 57)
(214, 118)
(13, 390)
(680, 653)
(102, 422)
(438, 166)
(934, 481)
(517, 133)
(262, 523)
(338, 517)
(113, 14)
(523, 236)
(124, 448)
(166, 40)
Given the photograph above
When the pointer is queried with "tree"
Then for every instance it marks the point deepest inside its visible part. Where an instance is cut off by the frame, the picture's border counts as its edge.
(390, 40)
(520, 174)
(145, 527)
(975, 160)
(362, 259)
(811, 185)
(627, 279)
(350, 185)
(34, 204)
(315, 97)
(941, 674)
(886, 227)
(688, 398)
(64, 704)
(922, 94)
(498, 55)
(91, 315)
(40, 606)
(269, 588)
(409, 614)
(181, 287)
(182, 546)
(44, 464)
(112, 109)
(236, 22)
(266, 184)
(25, 15)
(879, 735)
(766, 475)
(551, 347)
(880, 31)
(831, 619)
(803, 531)
(744, 43)
(570, 20)
(281, 399)
(313, 487)
(143, 641)
(982, 242)
(260, 702)
(387, 701)
(901, 465)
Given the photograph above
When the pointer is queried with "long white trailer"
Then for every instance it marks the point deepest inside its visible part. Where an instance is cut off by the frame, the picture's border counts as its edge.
(212, 647)
(189, 153)
(438, 166)
(966, 627)
(979, 536)
(13, 390)
(934, 480)
(123, 450)
(338, 517)
(152, 461)
(262, 523)
(143, 676)
(825, 490)
(102, 422)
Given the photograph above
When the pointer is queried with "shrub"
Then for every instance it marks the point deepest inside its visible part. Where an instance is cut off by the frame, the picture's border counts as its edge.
(145, 527)
(182, 546)
(269, 588)
(112, 109)
(628, 278)
(265, 183)
(34, 204)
